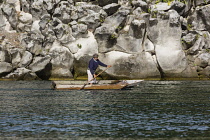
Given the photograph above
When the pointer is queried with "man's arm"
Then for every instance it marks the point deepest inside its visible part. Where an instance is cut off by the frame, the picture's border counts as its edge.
(101, 64)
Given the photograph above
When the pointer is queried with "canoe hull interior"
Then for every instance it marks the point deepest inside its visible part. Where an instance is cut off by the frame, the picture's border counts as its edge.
(104, 84)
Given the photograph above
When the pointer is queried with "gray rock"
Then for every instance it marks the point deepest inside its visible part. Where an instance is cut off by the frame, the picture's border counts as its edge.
(128, 44)
(139, 3)
(25, 5)
(106, 38)
(206, 71)
(21, 74)
(137, 29)
(26, 59)
(5, 68)
(41, 66)
(38, 9)
(202, 2)
(166, 38)
(5, 56)
(79, 30)
(111, 8)
(3, 20)
(63, 11)
(189, 40)
(141, 65)
(202, 60)
(16, 55)
(62, 61)
(11, 14)
(178, 6)
(200, 19)
(63, 33)
(106, 2)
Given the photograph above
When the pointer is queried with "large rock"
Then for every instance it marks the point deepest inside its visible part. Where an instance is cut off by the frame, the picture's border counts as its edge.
(136, 66)
(84, 46)
(16, 56)
(166, 34)
(5, 56)
(106, 35)
(200, 19)
(139, 3)
(106, 2)
(22, 74)
(41, 66)
(93, 16)
(63, 11)
(3, 20)
(202, 60)
(26, 59)
(62, 61)
(202, 2)
(111, 8)
(5, 68)
(11, 14)
(63, 33)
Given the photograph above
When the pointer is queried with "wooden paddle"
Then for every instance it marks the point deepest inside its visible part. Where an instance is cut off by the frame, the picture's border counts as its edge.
(93, 78)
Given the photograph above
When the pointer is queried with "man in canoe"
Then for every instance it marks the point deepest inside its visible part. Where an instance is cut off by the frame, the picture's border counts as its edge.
(93, 65)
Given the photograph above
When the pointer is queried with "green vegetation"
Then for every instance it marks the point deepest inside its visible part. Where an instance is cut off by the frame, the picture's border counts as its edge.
(79, 46)
(113, 36)
(189, 26)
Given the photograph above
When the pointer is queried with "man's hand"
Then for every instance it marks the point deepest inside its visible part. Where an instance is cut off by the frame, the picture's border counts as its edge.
(94, 76)
(109, 66)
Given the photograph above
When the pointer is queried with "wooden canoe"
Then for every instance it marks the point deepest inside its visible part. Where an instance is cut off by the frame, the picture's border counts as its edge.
(103, 84)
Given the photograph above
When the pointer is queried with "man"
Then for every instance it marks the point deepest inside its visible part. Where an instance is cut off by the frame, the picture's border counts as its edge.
(93, 65)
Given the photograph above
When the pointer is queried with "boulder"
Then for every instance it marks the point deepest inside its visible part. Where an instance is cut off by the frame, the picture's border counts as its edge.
(41, 66)
(62, 61)
(106, 38)
(202, 60)
(92, 20)
(206, 72)
(137, 29)
(39, 8)
(106, 2)
(63, 33)
(5, 68)
(198, 45)
(165, 34)
(16, 56)
(3, 20)
(5, 56)
(62, 11)
(22, 74)
(106, 35)
(189, 40)
(200, 19)
(26, 59)
(125, 65)
(11, 14)
(25, 17)
(178, 6)
(79, 30)
(139, 3)
(111, 8)
(202, 2)
(84, 46)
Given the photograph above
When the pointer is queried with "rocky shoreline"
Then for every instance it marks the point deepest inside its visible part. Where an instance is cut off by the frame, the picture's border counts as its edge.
(142, 39)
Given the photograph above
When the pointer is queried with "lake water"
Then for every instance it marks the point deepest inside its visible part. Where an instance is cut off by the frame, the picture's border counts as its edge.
(154, 109)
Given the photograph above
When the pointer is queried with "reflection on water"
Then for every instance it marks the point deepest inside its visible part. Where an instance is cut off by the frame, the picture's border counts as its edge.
(154, 109)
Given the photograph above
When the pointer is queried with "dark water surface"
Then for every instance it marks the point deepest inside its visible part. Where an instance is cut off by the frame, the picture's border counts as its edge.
(154, 109)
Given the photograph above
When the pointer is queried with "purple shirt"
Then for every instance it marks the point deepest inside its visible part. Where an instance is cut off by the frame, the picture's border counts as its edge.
(93, 65)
